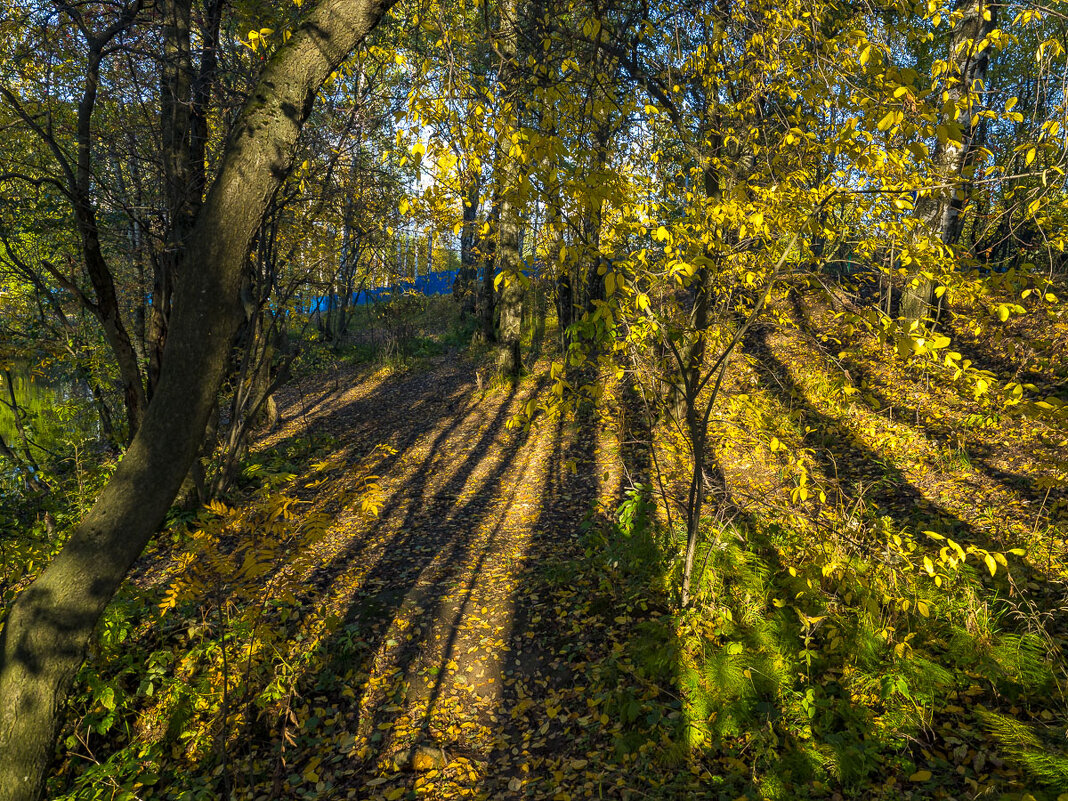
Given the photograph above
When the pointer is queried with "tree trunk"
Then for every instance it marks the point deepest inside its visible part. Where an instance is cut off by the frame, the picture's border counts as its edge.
(940, 209)
(106, 305)
(50, 623)
(487, 295)
(463, 288)
(592, 221)
(508, 260)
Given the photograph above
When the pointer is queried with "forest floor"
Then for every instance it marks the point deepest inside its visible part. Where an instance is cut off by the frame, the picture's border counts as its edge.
(472, 663)
(450, 603)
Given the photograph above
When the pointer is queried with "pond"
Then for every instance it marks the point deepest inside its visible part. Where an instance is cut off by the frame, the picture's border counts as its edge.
(56, 410)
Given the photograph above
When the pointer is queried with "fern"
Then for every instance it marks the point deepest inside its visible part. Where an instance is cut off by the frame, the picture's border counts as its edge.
(1024, 744)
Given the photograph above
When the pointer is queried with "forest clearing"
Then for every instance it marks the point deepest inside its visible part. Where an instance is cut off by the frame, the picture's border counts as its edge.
(521, 399)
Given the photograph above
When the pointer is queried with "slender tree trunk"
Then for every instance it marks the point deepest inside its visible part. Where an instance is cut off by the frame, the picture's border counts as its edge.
(508, 260)
(592, 220)
(106, 304)
(463, 288)
(487, 294)
(49, 625)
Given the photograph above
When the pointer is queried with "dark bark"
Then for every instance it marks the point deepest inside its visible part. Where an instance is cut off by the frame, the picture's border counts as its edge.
(50, 623)
(592, 220)
(487, 294)
(105, 307)
(464, 286)
(565, 307)
(184, 95)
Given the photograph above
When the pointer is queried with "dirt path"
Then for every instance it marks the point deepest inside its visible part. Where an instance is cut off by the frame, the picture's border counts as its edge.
(444, 675)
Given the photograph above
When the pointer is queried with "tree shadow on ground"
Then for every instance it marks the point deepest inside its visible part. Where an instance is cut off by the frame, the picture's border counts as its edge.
(965, 446)
(856, 470)
(405, 562)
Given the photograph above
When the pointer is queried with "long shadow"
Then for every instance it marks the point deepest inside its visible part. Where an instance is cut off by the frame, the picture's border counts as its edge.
(844, 458)
(541, 661)
(401, 410)
(457, 518)
(428, 530)
(981, 454)
(442, 505)
(417, 571)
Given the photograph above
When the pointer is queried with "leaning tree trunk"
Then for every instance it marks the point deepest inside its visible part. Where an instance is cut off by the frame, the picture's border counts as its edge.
(49, 625)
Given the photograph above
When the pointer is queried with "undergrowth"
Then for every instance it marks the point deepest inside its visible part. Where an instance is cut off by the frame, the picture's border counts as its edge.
(197, 662)
(799, 670)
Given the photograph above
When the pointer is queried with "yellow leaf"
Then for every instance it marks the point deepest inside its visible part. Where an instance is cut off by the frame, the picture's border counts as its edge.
(887, 121)
(920, 776)
(991, 565)
(1029, 157)
(395, 793)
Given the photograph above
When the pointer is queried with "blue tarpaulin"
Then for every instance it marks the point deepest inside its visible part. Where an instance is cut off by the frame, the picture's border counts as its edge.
(432, 284)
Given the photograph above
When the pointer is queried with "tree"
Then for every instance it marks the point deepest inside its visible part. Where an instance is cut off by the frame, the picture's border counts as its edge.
(940, 209)
(508, 260)
(49, 625)
(73, 175)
